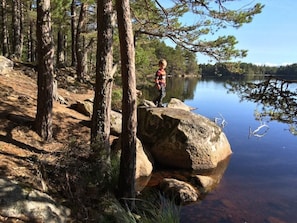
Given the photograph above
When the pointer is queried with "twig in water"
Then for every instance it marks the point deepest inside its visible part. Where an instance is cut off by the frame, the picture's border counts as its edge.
(257, 131)
(220, 121)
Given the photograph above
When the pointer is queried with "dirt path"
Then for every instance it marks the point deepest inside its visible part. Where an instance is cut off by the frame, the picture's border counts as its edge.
(21, 149)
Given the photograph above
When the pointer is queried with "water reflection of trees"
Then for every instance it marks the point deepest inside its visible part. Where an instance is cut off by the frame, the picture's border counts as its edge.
(181, 88)
(278, 98)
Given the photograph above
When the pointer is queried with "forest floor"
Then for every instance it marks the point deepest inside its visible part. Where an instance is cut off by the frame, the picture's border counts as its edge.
(51, 167)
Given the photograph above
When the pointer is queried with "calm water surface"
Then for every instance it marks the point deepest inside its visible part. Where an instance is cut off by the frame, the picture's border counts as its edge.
(260, 183)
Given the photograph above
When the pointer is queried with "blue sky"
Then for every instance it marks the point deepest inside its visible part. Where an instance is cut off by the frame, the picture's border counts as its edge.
(271, 38)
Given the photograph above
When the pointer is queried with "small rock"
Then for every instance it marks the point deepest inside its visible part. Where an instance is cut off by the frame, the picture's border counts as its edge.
(6, 65)
(182, 192)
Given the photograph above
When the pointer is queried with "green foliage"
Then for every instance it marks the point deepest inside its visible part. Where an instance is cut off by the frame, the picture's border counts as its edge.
(236, 69)
(154, 22)
(59, 7)
(116, 98)
(151, 209)
(161, 210)
(154, 19)
(290, 71)
(150, 50)
(104, 169)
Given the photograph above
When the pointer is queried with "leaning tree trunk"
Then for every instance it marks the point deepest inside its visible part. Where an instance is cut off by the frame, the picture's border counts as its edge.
(129, 116)
(45, 54)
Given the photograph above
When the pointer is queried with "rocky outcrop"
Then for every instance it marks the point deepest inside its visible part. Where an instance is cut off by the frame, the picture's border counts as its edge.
(181, 139)
(6, 65)
(29, 205)
(176, 137)
(178, 104)
(173, 103)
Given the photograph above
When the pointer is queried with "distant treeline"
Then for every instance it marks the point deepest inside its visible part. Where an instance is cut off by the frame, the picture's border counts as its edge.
(247, 69)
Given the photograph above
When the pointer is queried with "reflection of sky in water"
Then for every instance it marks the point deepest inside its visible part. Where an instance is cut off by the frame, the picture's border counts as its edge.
(261, 180)
(213, 101)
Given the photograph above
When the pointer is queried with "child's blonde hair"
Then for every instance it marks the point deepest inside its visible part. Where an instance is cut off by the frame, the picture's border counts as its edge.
(163, 62)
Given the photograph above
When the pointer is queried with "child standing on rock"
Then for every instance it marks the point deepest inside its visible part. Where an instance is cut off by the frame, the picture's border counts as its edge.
(160, 80)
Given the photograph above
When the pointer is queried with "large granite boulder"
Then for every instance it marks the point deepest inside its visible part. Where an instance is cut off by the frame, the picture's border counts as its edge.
(182, 139)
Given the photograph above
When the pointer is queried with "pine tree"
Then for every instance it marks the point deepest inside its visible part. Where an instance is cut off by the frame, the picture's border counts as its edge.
(45, 52)
(129, 114)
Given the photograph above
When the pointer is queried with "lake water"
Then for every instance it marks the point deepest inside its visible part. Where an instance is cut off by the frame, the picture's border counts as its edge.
(260, 182)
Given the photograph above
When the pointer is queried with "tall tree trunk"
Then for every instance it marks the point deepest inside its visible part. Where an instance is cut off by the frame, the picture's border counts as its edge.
(60, 49)
(129, 115)
(65, 49)
(28, 45)
(45, 50)
(21, 28)
(4, 33)
(79, 46)
(1, 24)
(73, 41)
(32, 42)
(30, 36)
(100, 128)
(16, 18)
(84, 60)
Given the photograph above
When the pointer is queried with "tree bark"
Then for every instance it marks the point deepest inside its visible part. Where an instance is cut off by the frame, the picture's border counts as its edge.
(31, 42)
(79, 46)
(4, 34)
(17, 37)
(73, 41)
(45, 50)
(21, 5)
(129, 115)
(100, 128)
(60, 49)
(30, 36)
